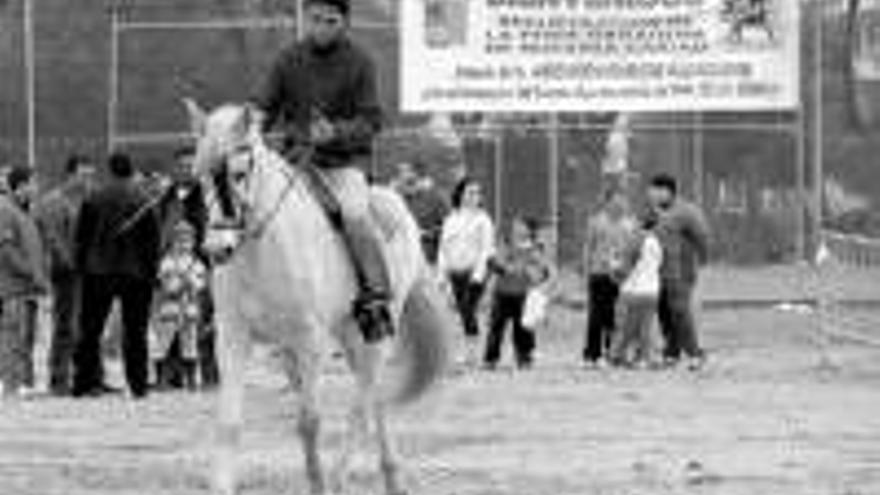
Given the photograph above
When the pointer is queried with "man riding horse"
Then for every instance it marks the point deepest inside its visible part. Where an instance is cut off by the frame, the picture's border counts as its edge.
(322, 93)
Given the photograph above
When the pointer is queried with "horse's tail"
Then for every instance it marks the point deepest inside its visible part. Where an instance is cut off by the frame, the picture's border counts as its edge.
(426, 326)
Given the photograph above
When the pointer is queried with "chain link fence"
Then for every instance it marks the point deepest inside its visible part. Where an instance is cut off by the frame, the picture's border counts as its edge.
(752, 172)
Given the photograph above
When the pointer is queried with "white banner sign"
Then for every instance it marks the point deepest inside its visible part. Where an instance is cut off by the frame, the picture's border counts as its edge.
(599, 55)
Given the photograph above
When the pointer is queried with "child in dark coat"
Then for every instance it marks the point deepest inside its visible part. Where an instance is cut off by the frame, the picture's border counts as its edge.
(519, 267)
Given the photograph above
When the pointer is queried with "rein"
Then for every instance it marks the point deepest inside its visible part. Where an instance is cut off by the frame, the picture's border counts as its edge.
(260, 226)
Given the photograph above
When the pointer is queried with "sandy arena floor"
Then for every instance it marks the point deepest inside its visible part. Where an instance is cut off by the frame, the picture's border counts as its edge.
(763, 418)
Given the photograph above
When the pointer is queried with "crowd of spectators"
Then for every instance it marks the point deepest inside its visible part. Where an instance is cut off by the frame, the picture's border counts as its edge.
(105, 236)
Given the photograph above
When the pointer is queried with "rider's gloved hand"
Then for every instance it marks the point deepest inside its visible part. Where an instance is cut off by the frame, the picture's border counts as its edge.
(322, 130)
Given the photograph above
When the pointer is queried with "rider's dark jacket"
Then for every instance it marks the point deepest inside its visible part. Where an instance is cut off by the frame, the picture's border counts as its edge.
(338, 82)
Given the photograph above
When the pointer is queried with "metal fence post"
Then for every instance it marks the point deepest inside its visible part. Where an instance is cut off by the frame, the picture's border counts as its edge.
(30, 81)
(113, 76)
(818, 126)
(554, 155)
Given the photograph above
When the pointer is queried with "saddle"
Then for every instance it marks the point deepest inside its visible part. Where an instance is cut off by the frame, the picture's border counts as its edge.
(329, 203)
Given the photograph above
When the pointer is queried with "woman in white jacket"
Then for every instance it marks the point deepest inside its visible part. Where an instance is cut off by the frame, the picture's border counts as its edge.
(467, 243)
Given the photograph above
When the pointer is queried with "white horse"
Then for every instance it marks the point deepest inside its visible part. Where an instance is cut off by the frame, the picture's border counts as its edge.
(287, 281)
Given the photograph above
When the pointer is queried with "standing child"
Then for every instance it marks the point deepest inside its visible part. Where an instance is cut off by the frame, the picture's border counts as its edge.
(608, 234)
(519, 268)
(639, 295)
(178, 319)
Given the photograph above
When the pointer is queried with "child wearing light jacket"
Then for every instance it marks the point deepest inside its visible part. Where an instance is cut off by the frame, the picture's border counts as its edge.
(178, 318)
(639, 294)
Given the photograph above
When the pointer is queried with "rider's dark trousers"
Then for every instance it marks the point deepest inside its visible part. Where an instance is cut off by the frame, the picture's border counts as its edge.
(345, 195)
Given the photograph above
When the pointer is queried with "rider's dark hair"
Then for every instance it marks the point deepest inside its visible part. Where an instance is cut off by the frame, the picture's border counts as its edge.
(460, 188)
(343, 6)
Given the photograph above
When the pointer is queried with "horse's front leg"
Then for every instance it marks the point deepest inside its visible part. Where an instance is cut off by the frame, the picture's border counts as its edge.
(233, 347)
(308, 360)
(357, 426)
(389, 464)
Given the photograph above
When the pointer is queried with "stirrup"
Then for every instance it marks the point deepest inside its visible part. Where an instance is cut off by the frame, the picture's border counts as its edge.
(374, 319)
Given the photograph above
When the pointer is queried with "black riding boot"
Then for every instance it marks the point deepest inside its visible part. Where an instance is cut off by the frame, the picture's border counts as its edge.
(365, 250)
(371, 307)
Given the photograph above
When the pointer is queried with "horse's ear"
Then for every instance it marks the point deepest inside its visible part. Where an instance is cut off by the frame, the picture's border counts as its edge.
(197, 116)
(251, 119)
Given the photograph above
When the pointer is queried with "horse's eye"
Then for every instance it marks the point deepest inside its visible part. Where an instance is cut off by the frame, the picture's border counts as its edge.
(238, 176)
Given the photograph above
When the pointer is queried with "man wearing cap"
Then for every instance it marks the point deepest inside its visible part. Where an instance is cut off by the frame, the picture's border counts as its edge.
(322, 93)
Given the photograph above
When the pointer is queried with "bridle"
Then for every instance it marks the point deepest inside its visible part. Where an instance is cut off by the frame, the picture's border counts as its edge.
(244, 226)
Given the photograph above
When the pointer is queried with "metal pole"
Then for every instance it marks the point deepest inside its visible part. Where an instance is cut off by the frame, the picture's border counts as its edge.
(255, 23)
(699, 169)
(300, 21)
(113, 97)
(30, 82)
(499, 178)
(800, 135)
(554, 155)
(818, 145)
(800, 218)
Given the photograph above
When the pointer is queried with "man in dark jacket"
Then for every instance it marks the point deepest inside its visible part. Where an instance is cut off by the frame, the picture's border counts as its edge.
(117, 253)
(684, 235)
(322, 91)
(183, 200)
(56, 215)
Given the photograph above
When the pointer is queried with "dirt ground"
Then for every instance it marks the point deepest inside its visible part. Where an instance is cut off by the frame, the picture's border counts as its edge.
(765, 417)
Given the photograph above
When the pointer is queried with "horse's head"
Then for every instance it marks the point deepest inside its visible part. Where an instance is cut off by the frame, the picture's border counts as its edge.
(225, 163)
